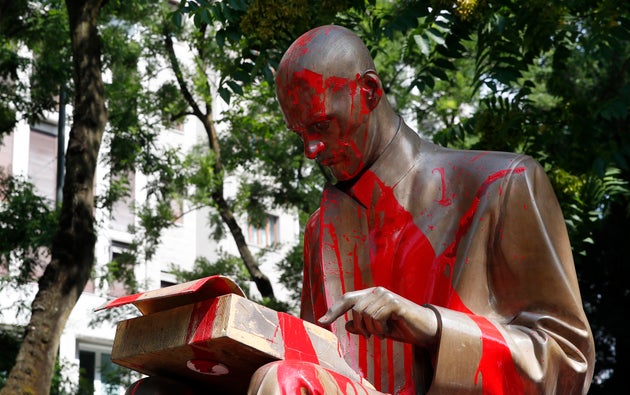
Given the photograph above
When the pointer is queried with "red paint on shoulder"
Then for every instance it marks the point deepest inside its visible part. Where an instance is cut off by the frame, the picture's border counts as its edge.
(444, 201)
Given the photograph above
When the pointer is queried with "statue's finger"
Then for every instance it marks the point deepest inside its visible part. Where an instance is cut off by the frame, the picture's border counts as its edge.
(339, 308)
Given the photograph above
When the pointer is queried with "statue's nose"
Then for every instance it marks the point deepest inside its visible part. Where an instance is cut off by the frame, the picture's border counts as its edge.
(313, 148)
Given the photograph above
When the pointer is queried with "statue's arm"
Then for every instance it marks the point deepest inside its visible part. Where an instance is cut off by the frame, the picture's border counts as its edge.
(537, 334)
(311, 243)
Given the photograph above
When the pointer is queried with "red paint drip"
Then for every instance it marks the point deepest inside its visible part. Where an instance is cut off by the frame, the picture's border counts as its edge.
(497, 369)
(398, 246)
(444, 201)
(297, 343)
(201, 321)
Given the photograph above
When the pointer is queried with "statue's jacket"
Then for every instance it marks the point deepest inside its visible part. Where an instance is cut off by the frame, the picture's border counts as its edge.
(477, 236)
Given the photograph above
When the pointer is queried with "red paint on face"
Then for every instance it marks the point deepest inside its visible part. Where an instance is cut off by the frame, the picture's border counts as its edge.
(330, 116)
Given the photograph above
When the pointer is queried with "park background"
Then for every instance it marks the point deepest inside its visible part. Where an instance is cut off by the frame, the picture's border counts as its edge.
(550, 79)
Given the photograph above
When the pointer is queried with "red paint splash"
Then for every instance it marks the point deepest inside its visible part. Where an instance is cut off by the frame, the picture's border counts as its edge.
(397, 246)
(297, 343)
(201, 321)
(444, 201)
(297, 378)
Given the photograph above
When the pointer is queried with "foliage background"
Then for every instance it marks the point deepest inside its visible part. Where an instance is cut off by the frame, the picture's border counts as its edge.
(548, 79)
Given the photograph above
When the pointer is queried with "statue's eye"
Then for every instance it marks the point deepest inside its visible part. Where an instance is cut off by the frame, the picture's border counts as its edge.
(321, 126)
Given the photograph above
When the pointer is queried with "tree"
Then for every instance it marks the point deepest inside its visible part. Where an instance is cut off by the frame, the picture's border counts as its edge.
(73, 244)
(550, 80)
(225, 40)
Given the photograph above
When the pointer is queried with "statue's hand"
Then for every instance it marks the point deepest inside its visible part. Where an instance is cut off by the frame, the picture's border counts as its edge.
(380, 312)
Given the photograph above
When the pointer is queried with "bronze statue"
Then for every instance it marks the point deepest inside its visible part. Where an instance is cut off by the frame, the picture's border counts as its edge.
(440, 271)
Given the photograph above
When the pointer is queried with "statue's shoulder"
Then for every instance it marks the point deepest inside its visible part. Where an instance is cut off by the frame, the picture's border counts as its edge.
(468, 158)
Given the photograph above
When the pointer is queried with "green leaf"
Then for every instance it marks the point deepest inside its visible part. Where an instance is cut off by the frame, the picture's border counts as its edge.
(225, 94)
(444, 63)
(236, 88)
(435, 35)
(423, 44)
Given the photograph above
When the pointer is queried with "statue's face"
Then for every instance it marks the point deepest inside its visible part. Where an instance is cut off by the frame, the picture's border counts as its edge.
(330, 116)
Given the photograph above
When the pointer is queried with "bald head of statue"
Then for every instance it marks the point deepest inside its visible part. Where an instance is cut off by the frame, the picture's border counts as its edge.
(332, 97)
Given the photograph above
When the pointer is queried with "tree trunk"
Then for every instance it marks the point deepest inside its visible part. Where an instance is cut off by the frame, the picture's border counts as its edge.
(260, 279)
(227, 215)
(73, 246)
(225, 211)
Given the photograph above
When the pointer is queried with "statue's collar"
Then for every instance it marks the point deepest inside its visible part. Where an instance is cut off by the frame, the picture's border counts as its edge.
(398, 158)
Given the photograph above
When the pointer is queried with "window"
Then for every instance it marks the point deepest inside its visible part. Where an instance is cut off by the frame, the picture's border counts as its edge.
(6, 154)
(265, 235)
(42, 160)
(120, 253)
(122, 210)
(98, 375)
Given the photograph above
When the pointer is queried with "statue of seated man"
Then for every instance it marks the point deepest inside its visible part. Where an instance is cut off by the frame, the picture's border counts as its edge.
(440, 271)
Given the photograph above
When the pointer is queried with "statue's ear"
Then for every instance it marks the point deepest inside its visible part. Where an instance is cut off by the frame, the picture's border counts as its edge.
(372, 88)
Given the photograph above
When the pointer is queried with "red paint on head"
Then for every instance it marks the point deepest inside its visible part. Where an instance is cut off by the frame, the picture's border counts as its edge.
(329, 112)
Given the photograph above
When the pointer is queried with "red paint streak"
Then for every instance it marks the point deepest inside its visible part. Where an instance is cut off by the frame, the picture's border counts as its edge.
(294, 376)
(481, 154)
(398, 246)
(201, 321)
(297, 378)
(390, 367)
(335, 243)
(123, 300)
(135, 387)
(497, 370)
(297, 343)
(444, 201)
